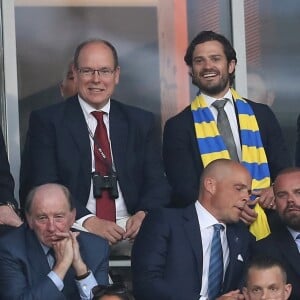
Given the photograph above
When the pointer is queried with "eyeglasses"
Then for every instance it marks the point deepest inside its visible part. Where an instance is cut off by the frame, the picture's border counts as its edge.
(88, 72)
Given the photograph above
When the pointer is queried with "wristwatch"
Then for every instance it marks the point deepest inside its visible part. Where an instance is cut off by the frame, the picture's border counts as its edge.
(11, 205)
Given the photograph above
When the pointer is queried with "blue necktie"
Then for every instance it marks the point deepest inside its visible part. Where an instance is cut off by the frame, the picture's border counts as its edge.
(215, 275)
(298, 241)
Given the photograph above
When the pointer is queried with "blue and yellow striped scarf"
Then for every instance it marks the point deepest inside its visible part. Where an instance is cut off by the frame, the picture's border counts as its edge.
(212, 147)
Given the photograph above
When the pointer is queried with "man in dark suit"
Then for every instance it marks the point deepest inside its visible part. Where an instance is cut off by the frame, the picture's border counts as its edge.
(28, 271)
(172, 252)
(61, 139)
(212, 61)
(8, 204)
(284, 242)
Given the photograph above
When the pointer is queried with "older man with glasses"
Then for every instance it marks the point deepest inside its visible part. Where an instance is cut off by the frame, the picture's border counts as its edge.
(104, 151)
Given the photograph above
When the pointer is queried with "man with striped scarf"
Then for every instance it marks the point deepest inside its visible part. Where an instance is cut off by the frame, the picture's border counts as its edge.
(192, 139)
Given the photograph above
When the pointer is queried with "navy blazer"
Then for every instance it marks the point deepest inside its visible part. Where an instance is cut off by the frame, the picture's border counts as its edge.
(58, 149)
(24, 266)
(6, 179)
(167, 255)
(281, 245)
(182, 158)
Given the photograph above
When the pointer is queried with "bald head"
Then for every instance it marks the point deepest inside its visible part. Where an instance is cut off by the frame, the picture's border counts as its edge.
(225, 186)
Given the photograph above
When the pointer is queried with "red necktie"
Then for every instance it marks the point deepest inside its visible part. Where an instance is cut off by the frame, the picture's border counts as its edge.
(105, 205)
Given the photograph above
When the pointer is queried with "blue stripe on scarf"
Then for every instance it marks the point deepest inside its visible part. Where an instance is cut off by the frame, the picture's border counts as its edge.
(204, 116)
(258, 171)
(251, 138)
(211, 144)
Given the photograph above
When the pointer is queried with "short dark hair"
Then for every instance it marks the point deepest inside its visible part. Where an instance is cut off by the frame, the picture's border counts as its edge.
(116, 289)
(91, 41)
(263, 262)
(206, 36)
(31, 195)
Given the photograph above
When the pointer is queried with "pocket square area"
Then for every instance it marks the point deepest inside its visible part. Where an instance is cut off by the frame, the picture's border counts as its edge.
(240, 258)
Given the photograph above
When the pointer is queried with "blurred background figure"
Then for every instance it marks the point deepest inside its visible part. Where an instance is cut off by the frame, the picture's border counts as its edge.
(259, 89)
(67, 85)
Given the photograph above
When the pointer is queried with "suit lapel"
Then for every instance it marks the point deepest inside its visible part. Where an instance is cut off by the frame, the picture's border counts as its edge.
(288, 247)
(192, 230)
(118, 127)
(37, 259)
(77, 127)
(235, 246)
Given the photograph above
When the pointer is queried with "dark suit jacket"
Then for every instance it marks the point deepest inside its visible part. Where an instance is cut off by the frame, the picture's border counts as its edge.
(183, 162)
(281, 245)
(167, 255)
(6, 179)
(24, 266)
(58, 150)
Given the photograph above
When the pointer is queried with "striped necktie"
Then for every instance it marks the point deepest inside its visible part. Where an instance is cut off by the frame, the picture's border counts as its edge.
(215, 274)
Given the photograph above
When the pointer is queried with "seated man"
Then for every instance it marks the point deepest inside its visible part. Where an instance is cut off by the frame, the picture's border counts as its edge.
(8, 204)
(266, 279)
(111, 292)
(284, 243)
(45, 260)
(197, 252)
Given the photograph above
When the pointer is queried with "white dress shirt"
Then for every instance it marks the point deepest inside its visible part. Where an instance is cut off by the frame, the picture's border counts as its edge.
(121, 210)
(207, 222)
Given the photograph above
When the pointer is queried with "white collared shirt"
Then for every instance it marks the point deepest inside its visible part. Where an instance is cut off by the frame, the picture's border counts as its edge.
(121, 210)
(294, 234)
(230, 111)
(206, 222)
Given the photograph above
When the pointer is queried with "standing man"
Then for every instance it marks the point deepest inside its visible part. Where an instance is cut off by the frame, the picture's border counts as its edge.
(284, 242)
(45, 260)
(221, 124)
(104, 151)
(197, 252)
(8, 204)
(266, 279)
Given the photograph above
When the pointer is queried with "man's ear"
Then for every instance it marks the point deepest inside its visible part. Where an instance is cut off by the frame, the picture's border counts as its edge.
(210, 185)
(287, 291)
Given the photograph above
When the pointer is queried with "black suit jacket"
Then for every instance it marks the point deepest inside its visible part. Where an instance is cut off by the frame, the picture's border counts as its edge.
(167, 255)
(182, 158)
(58, 149)
(24, 266)
(6, 179)
(281, 245)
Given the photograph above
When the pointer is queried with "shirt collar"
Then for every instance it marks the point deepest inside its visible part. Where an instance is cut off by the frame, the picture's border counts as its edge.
(87, 108)
(293, 232)
(210, 100)
(206, 219)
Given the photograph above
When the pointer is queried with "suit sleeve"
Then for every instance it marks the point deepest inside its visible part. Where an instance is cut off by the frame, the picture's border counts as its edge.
(297, 153)
(14, 282)
(149, 257)
(6, 179)
(181, 163)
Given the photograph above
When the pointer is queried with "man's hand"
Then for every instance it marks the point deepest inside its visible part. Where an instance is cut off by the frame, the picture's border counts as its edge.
(233, 295)
(133, 225)
(77, 263)
(248, 215)
(106, 229)
(9, 217)
(265, 198)
(64, 253)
